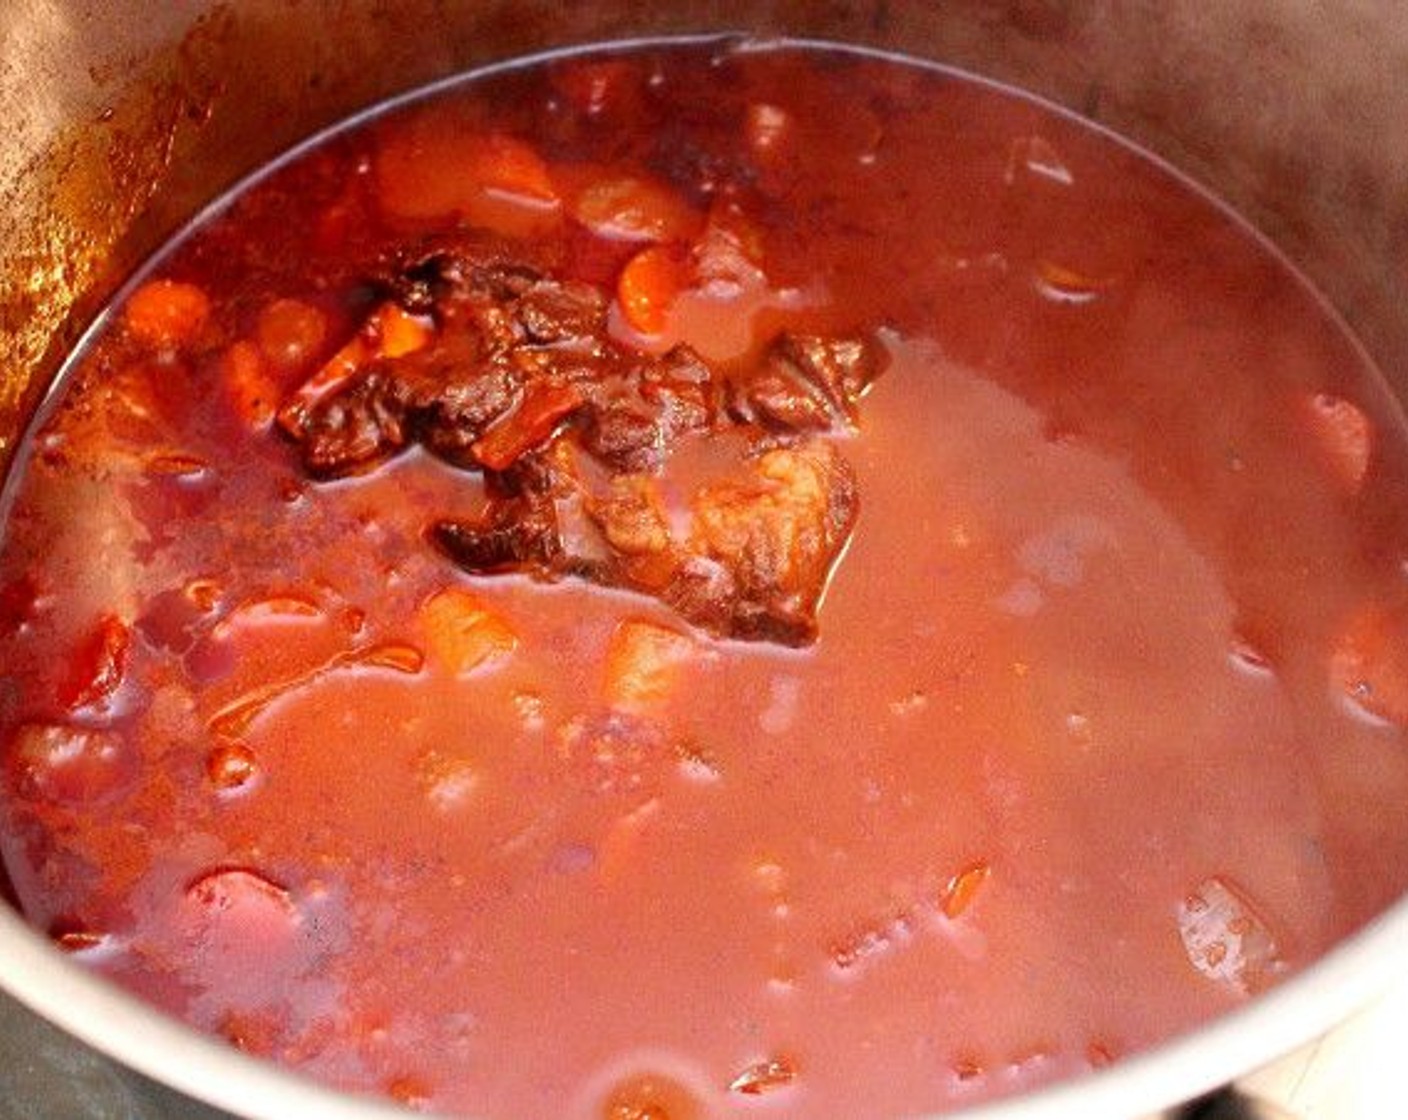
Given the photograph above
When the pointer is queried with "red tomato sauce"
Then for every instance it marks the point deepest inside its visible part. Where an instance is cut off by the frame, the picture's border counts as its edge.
(1099, 734)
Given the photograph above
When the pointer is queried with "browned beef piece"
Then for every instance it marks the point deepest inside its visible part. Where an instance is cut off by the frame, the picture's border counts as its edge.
(806, 384)
(576, 435)
(754, 562)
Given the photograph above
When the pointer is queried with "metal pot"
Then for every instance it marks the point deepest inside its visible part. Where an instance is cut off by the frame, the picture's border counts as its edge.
(122, 116)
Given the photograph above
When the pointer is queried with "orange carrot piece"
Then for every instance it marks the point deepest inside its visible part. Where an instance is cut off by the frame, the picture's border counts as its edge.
(389, 332)
(531, 424)
(643, 662)
(251, 390)
(648, 287)
(432, 168)
(463, 634)
(959, 892)
(166, 313)
(1343, 435)
(634, 208)
(290, 332)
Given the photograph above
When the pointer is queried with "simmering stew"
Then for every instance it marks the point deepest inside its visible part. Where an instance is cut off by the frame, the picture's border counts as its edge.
(702, 578)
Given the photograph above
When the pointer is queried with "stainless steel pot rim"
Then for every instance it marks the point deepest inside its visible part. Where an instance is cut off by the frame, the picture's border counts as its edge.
(134, 1033)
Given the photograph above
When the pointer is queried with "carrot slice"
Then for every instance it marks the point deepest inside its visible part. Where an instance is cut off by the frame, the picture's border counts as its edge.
(290, 332)
(648, 287)
(166, 313)
(528, 426)
(1344, 436)
(389, 332)
(643, 662)
(959, 892)
(634, 208)
(251, 390)
(463, 634)
(431, 168)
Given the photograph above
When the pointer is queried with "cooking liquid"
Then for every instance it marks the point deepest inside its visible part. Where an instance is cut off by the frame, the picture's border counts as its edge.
(1102, 735)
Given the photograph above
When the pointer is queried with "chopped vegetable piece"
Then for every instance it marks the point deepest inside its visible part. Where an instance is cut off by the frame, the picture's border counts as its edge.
(634, 208)
(1226, 940)
(529, 426)
(648, 287)
(389, 332)
(959, 892)
(1344, 436)
(253, 393)
(643, 664)
(166, 313)
(290, 333)
(491, 180)
(765, 1077)
(98, 665)
(464, 635)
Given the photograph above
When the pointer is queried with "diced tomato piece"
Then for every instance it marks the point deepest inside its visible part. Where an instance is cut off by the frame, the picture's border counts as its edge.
(429, 169)
(98, 666)
(290, 333)
(959, 892)
(633, 208)
(529, 426)
(1369, 662)
(166, 313)
(1344, 436)
(643, 663)
(253, 393)
(463, 634)
(648, 287)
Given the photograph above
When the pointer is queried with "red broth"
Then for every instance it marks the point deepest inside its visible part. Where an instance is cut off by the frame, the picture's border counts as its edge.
(1101, 733)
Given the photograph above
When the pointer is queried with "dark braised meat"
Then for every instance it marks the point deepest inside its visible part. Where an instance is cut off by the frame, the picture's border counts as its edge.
(492, 364)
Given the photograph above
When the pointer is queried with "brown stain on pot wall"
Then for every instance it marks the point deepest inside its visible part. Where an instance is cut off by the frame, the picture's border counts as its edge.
(124, 117)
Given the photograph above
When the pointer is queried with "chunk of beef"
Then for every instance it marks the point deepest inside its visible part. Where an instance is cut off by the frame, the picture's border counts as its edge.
(807, 384)
(576, 438)
(356, 429)
(776, 533)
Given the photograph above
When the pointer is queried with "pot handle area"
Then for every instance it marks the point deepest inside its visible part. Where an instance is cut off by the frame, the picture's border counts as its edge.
(1231, 1104)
